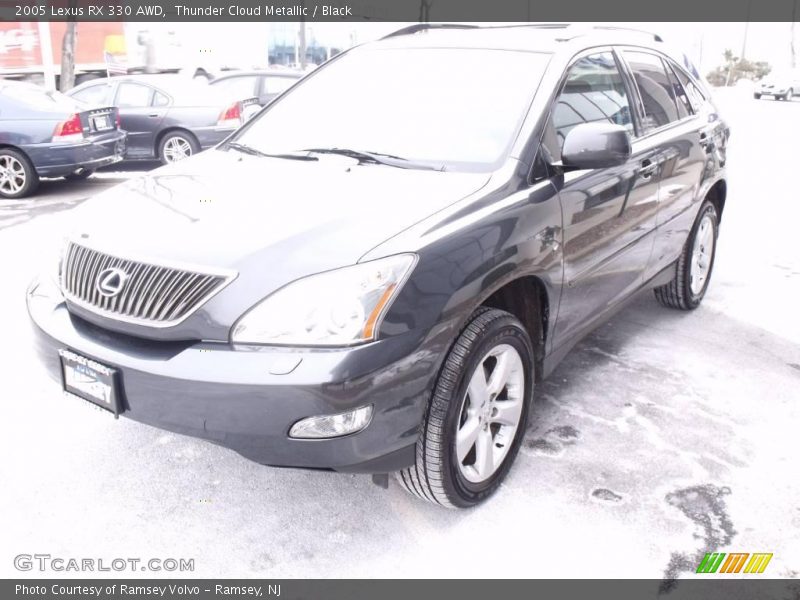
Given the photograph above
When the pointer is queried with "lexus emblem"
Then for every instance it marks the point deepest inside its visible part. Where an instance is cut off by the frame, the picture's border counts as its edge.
(110, 282)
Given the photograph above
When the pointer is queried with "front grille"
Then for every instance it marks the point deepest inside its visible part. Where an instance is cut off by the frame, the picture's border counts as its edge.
(134, 291)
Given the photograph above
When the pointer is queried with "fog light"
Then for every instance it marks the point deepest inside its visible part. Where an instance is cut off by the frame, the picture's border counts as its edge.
(328, 426)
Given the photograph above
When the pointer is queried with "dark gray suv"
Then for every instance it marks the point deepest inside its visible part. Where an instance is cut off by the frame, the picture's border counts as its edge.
(373, 273)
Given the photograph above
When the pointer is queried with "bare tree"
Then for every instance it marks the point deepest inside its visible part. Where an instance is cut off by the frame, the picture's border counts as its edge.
(68, 57)
(68, 45)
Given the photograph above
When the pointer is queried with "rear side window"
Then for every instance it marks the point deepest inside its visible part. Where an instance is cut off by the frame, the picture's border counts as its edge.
(593, 92)
(655, 88)
(133, 95)
(160, 99)
(95, 95)
(696, 97)
(278, 85)
(238, 88)
(684, 106)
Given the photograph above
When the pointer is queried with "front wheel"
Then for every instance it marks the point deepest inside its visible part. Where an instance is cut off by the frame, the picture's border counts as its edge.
(757, 96)
(693, 271)
(478, 413)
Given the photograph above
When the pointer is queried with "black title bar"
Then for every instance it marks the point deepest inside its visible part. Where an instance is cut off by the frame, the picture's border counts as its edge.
(397, 10)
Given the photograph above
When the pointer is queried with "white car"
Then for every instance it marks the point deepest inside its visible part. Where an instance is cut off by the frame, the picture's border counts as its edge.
(781, 85)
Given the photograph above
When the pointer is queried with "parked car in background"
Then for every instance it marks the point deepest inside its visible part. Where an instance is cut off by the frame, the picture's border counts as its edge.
(779, 85)
(168, 117)
(264, 85)
(47, 134)
(380, 289)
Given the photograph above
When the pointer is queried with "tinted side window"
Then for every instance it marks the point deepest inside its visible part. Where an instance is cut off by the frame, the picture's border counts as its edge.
(238, 88)
(695, 95)
(160, 99)
(133, 95)
(593, 93)
(684, 106)
(278, 85)
(655, 88)
(95, 94)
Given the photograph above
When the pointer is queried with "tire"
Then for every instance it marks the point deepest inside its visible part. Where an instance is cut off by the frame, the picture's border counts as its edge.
(18, 178)
(691, 279)
(757, 96)
(169, 148)
(789, 95)
(79, 175)
(438, 475)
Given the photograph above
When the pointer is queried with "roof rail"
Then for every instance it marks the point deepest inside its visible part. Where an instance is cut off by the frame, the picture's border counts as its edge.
(416, 28)
(655, 36)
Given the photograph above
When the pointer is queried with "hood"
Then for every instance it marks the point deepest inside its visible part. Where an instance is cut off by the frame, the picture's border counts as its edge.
(269, 220)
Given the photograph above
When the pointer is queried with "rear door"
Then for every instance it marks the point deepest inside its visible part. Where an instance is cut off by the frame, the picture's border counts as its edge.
(609, 214)
(139, 117)
(679, 141)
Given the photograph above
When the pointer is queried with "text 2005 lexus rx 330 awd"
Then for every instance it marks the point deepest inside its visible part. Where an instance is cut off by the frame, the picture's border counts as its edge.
(373, 273)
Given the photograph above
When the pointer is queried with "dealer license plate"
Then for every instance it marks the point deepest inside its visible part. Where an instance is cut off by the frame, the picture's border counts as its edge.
(90, 380)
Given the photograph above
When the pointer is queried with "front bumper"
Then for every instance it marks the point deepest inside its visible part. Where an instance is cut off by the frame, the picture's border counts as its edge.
(248, 399)
(59, 160)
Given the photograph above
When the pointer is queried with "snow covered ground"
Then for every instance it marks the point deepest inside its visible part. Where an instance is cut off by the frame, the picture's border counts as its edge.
(662, 436)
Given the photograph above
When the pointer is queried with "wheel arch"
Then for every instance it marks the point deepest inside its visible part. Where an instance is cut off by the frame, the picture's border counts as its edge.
(526, 298)
(717, 195)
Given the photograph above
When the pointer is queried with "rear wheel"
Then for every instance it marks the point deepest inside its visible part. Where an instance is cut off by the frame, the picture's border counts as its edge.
(757, 96)
(18, 178)
(693, 271)
(477, 416)
(177, 145)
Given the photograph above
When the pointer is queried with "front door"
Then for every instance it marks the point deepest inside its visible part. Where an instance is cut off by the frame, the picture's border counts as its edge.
(609, 214)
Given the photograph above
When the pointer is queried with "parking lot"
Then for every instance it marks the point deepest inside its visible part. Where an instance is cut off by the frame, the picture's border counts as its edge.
(664, 435)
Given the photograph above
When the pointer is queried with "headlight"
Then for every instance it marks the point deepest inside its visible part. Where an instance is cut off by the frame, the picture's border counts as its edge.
(335, 308)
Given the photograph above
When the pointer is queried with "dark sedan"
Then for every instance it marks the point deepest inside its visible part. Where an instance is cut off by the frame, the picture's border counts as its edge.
(47, 134)
(265, 85)
(167, 117)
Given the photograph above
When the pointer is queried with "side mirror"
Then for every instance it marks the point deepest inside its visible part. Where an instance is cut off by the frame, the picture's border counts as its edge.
(596, 146)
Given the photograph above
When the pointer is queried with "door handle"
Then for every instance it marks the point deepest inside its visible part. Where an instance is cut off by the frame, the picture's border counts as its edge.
(154, 115)
(647, 169)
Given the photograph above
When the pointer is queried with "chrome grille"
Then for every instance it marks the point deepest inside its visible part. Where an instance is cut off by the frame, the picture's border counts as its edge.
(151, 294)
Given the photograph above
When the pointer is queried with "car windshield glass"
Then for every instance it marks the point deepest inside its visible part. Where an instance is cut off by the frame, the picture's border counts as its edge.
(457, 109)
(39, 98)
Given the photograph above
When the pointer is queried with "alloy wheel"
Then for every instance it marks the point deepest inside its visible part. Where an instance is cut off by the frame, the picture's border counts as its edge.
(12, 175)
(176, 148)
(490, 413)
(702, 254)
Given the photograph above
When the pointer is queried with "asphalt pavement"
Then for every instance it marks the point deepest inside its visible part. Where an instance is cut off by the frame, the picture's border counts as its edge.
(662, 436)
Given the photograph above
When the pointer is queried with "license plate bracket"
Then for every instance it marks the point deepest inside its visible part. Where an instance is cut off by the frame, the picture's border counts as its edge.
(102, 123)
(90, 381)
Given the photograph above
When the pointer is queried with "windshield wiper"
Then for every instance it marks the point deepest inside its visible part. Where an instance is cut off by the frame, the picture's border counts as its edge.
(245, 149)
(374, 157)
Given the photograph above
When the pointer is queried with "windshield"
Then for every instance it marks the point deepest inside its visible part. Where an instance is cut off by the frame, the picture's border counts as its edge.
(457, 109)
